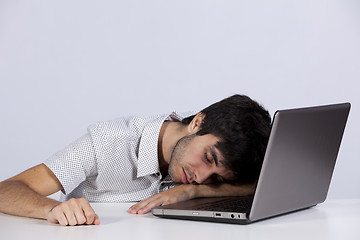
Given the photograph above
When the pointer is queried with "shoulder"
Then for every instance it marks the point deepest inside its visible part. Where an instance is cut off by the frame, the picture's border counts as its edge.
(121, 125)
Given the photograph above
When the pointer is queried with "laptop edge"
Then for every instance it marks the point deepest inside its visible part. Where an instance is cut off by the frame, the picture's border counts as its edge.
(296, 172)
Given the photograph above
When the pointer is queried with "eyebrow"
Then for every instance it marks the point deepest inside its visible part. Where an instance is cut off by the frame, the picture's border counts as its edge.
(213, 153)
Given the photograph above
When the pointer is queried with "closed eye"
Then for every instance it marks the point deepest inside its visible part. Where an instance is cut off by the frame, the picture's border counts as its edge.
(215, 178)
(220, 179)
(206, 158)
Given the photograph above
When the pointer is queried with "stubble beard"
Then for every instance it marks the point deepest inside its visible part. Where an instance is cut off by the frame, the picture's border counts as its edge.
(177, 155)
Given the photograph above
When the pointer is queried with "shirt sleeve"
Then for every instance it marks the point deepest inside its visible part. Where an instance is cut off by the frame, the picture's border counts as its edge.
(167, 184)
(74, 163)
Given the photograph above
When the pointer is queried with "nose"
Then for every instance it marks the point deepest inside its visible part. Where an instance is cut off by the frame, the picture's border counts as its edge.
(203, 177)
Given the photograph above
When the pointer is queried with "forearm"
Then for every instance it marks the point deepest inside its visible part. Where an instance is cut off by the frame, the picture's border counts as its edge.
(223, 190)
(16, 198)
(188, 191)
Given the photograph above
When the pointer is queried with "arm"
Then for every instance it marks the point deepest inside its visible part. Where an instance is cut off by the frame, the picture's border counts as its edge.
(25, 195)
(188, 191)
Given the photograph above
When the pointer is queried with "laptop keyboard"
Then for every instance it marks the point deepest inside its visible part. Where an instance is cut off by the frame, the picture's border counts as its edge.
(228, 205)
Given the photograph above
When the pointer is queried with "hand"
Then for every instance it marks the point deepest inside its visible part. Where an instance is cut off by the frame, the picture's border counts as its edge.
(176, 194)
(75, 211)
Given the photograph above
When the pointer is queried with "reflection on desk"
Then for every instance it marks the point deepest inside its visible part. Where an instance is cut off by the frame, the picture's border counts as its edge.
(334, 219)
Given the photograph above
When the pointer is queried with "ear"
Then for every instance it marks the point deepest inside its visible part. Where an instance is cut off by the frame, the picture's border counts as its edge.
(195, 124)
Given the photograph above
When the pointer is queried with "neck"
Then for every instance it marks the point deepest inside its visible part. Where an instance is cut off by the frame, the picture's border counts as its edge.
(169, 135)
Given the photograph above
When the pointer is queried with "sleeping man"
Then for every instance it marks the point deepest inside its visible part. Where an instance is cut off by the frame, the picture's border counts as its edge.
(155, 160)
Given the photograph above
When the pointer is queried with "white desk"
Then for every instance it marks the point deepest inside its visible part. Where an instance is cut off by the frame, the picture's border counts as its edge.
(334, 219)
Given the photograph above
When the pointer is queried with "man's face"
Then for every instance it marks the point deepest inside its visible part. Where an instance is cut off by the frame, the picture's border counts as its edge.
(195, 159)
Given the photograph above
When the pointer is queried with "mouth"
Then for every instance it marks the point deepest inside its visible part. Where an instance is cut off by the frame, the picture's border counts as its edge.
(185, 177)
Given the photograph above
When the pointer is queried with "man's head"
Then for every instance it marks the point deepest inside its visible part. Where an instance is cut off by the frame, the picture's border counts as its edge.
(227, 144)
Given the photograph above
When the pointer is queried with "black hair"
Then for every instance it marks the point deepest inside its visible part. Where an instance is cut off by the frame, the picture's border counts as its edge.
(243, 126)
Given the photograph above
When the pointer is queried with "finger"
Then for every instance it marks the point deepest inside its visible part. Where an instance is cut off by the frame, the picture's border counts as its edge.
(147, 208)
(88, 212)
(57, 216)
(96, 220)
(51, 216)
(79, 215)
(62, 219)
(135, 206)
(69, 214)
(133, 209)
(76, 206)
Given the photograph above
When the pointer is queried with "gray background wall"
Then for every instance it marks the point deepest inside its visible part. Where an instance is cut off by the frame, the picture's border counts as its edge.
(67, 64)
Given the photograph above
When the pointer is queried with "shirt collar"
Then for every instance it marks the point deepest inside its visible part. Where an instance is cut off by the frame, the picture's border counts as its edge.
(148, 162)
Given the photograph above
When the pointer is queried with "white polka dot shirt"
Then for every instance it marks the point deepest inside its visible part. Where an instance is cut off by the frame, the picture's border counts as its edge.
(115, 161)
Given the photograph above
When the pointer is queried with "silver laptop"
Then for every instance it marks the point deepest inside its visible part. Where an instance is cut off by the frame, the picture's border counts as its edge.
(296, 172)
